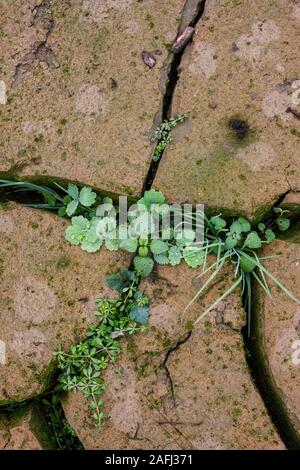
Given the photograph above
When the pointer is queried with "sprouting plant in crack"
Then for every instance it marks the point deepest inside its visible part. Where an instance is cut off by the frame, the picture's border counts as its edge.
(238, 244)
(162, 135)
(82, 367)
(63, 435)
(95, 224)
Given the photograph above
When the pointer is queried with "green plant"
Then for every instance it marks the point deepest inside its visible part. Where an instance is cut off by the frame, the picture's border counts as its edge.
(83, 365)
(162, 135)
(237, 244)
(146, 236)
(63, 435)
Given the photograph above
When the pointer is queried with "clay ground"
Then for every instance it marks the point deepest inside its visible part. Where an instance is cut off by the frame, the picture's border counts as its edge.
(79, 102)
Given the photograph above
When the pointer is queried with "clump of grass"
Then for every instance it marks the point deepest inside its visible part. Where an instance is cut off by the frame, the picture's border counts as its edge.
(238, 244)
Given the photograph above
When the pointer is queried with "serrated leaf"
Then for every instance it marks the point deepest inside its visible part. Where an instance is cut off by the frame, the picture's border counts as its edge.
(161, 259)
(283, 223)
(87, 196)
(253, 241)
(193, 256)
(158, 247)
(174, 255)
(130, 245)
(73, 191)
(71, 208)
(139, 314)
(143, 266)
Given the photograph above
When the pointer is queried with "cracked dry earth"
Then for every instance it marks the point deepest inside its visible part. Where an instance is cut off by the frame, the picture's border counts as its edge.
(78, 102)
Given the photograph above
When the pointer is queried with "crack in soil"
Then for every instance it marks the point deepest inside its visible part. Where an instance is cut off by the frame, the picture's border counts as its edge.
(263, 379)
(190, 15)
(41, 51)
(164, 364)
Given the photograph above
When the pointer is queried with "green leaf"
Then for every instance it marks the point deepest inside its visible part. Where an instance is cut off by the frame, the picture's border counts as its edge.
(71, 208)
(62, 212)
(80, 221)
(236, 227)
(245, 225)
(50, 199)
(246, 264)
(130, 245)
(73, 191)
(193, 256)
(270, 235)
(218, 222)
(91, 247)
(283, 223)
(120, 280)
(161, 259)
(107, 200)
(87, 196)
(152, 197)
(139, 314)
(112, 244)
(230, 242)
(75, 233)
(174, 255)
(158, 247)
(261, 227)
(143, 266)
(252, 241)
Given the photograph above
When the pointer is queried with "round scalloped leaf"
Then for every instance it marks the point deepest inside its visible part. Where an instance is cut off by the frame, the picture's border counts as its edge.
(91, 247)
(143, 266)
(130, 245)
(152, 197)
(193, 256)
(74, 234)
(158, 247)
(87, 196)
(161, 259)
(112, 244)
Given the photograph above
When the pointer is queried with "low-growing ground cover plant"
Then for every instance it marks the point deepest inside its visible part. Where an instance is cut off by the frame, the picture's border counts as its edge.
(95, 224)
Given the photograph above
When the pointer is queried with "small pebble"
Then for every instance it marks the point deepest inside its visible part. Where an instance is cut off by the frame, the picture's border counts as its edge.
(148, 59)
(183, 39)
